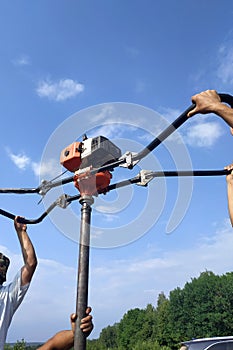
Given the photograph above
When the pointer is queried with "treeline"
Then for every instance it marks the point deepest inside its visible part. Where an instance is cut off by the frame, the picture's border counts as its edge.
(21, 345)
(203, 308)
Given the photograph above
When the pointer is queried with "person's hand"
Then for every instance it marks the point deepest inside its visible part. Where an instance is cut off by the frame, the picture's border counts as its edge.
(206, 102)
(229, 177)
(19, 226)
(86, 324)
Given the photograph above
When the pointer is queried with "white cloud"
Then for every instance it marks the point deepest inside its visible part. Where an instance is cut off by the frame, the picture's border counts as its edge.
(225, 72)
(132, 51)
(170, 114)
(22, 60)
(20, 160)
(111, 131)
(49, 169)
(203, 134)
(140, 86)
(59, 91)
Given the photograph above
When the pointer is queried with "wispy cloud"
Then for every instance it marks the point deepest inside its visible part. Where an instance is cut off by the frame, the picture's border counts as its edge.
(21, 160)
(224, 71)
(22, 60)
(140, 86)
(203, 134)
(170, 114)
(219, 71)
(110, 131)
(60, 90)
(50, 168)
(132, 51)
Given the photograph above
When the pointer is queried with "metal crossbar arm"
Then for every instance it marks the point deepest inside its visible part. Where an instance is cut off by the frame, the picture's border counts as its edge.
(188, 173)
(63, 201)
(141, 179)
(146, 175)
(175, 125)
(19, 190)
(42, 189)
(29, 221)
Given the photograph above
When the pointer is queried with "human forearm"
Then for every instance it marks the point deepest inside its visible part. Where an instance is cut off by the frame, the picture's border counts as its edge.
(63, 340)
(28, 252)
(230, 200)
(229, 180)
(225, 112)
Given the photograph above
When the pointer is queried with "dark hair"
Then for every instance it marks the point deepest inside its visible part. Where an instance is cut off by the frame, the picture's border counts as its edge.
(4, 264)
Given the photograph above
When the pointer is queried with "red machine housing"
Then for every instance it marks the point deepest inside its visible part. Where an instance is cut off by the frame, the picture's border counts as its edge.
(92, 184)
(90, 153)
(70, 157)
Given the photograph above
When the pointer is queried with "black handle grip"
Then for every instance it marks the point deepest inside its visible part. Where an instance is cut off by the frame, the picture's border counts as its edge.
(226, 98)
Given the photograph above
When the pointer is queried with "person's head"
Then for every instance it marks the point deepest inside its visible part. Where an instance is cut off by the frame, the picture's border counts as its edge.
(4, 264)
(184, 347)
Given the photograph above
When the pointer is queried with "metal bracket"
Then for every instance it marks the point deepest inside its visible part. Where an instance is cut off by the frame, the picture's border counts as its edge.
(145, 176)
(44, 187)
(62, 201)
(86, 170)
(129, 162)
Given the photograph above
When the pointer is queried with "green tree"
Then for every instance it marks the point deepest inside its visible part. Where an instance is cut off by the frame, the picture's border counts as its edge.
(130, 329)
(108, 337)
(19, 345)
(162, 323)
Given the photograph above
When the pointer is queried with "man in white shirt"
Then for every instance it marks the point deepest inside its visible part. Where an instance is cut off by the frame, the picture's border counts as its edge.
(11, 295)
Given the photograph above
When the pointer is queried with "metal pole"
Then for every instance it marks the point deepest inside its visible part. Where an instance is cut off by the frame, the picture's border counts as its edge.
(83, 270)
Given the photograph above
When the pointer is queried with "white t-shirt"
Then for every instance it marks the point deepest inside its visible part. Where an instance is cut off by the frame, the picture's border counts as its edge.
(11, 297)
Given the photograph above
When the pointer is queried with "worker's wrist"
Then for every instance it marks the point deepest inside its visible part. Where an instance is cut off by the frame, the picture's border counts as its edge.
(219, 108)
(21, 232)
(230, 183)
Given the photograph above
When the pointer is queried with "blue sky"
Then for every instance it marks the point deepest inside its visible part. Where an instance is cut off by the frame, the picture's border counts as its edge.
(125, 69)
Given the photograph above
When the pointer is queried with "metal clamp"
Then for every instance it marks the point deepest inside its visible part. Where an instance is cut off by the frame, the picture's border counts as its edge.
(145, 176)
(129, 160)
(44, 187)
(62, 201)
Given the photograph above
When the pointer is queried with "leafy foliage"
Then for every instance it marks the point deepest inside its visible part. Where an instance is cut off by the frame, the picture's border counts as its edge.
(20, 345)
(202, 308)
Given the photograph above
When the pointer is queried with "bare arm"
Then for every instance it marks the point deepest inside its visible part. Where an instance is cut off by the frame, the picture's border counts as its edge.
(64, 340)
(209, 102)
(229, 179)
(28, 252)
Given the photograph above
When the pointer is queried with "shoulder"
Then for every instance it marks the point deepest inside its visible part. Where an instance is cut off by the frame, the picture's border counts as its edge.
(15, 288)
